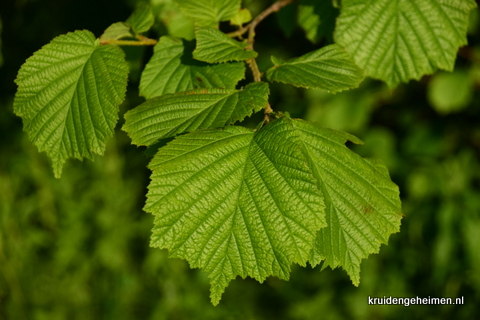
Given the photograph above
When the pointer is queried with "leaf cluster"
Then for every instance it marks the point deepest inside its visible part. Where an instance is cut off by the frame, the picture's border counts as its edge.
(231, 200)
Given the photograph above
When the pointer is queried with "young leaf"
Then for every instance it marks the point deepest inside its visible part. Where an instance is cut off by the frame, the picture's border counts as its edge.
(209, 12)
(395, 40)
(117, 30)
(362, 204)
(141, 19)
(172, 69)
(215, 46)
(243, 16)
(68, 96)
(329, 68)
(172, 114)
(235, 202)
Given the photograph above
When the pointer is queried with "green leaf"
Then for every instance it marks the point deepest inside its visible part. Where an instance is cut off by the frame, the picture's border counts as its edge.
(215, 46)
(117, 30)
(317, 18)
(450, 92)
(68, 96)
(209, 12)
(235, 202)
(172, 69)
(243, 16)
(398, 40)
(172, 114)
(329, 68)
(176, 23)
(142, 19)
(362, 204)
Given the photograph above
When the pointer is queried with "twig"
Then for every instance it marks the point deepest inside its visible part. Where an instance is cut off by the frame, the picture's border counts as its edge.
(257, 75)
(142, 41)
(273, 8)
(251, 26)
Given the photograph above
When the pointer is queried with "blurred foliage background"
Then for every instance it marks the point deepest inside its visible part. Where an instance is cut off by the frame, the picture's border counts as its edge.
(78, 247)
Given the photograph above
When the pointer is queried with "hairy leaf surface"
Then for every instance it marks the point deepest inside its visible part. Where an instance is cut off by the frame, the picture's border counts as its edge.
(209, 12)
(329, 68)
(362, 204)
(215, 46)
(235, 202)
(399, 40)
(172, 69)
(172, 114)
(68, 96)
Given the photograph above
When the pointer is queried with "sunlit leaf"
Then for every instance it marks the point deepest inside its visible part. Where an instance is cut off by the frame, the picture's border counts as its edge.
(117, 31)
(68, 96)
(243, 16)
(172, 69)
(362, 204)
(141, 19)
(172, 114)
(399, 40)
(214, 46)
(329, 68)
(173, 19)
(209, 12)
(235, 202)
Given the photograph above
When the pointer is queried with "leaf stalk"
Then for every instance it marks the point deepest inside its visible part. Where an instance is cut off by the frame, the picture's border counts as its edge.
(250, 28)
(142, 41)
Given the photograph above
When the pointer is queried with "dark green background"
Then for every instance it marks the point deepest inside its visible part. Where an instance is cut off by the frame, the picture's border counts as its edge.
(78, 247)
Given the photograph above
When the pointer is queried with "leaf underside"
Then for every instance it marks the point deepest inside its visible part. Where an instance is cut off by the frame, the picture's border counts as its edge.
(172, 69)
(330, 69)
(214, 46)
(399, 40)
(172, 114)
(68, 96)
(240, 203)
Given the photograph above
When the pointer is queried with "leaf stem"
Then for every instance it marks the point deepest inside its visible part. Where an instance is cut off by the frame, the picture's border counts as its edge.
(257, 75)
(142, 41)
(251, 26)
(273, 8)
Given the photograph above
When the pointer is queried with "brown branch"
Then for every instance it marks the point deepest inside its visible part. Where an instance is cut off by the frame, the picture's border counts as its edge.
(251, 26)
(273, 8)
(257, 75)
(142, 41)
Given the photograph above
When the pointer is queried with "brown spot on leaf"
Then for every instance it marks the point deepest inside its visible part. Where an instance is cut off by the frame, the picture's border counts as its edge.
(368, 209)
